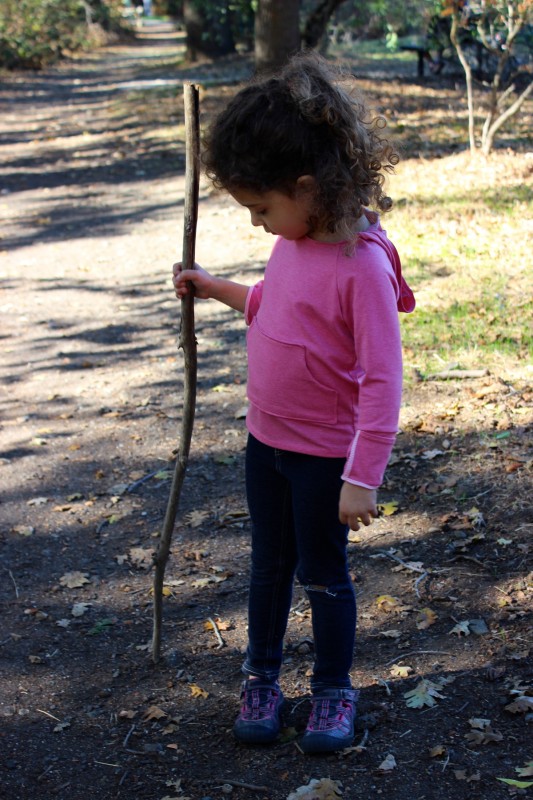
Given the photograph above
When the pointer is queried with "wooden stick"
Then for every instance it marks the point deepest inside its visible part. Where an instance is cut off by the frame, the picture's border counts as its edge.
(187, 341)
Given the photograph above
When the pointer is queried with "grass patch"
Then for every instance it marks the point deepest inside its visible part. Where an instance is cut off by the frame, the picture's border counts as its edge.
(462, 228)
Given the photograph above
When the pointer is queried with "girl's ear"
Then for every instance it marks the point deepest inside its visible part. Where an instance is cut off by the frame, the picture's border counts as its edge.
(306, 183)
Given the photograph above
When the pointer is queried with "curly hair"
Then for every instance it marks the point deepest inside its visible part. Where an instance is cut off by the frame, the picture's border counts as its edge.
(305, 120)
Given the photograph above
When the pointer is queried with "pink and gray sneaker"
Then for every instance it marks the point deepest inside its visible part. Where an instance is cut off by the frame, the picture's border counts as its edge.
(331, 724)
(259, 721)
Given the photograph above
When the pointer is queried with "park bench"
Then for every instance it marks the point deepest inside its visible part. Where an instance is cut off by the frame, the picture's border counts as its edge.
(422, 52)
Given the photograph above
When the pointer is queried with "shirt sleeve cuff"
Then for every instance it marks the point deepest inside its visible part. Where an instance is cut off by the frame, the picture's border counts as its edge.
(367, 458)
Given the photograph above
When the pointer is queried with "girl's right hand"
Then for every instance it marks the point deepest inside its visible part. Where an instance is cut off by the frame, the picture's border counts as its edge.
(182, 278)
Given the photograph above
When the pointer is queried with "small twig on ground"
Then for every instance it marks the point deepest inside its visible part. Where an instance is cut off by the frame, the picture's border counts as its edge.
(132, 486)
(467, 558)
(417, 653)
(238, 784)
(298, 704)
(47, 770)
(221, 642)
(364, 740)
(418, 581)
(47, 714)
(126, 740)
(14, 584)
(403, 563)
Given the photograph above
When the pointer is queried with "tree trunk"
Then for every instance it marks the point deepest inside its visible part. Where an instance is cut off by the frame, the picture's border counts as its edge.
(317, 22)
(208, 34)
(491, 130)
(277, 33)
(454, 37)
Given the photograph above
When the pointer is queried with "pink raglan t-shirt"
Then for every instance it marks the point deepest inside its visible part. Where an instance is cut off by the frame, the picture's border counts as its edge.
(324, 351)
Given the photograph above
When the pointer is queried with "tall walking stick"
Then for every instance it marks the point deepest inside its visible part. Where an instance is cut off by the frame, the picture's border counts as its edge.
(187, 341)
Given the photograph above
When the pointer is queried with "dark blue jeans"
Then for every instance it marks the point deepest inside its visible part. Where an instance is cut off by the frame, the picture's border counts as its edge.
(293, 500)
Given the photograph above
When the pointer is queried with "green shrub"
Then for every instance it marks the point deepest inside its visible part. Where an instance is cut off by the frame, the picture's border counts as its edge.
(34, 33)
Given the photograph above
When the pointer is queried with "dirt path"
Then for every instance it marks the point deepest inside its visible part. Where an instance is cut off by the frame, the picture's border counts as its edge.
(91, 192)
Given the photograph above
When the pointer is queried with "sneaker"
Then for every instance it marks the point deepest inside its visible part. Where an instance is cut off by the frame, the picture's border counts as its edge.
(259, 720)
(331, 724)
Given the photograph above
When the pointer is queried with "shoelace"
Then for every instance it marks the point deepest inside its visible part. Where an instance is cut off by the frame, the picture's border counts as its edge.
(328, 715)
(259, 704)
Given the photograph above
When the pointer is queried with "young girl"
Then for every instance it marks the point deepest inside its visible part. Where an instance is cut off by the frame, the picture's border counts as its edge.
(324, 378)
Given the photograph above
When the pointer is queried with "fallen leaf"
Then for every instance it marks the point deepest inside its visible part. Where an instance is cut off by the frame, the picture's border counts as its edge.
(24, 530)
(61, 727)
(288, 735)
(388, 764)
(101, 626)
(400, 671)
(461, 775)
(196, 518)
(521, 705)
(390, 634)
(525, 772)
(387, 603)
(38, 501)
(322, 789)
(222, 625)
(518, 784)
(141, 557)
(438, 750)
(417, 566)
(163, 475)
(423, 694)
(196, 691)
(172, 728)
(478, 626)
(73, 580)
(482, 732)
(461, 629)
(429, 455)
(79, 609)
(476, 517)
(387, 509)
(154, 712)
(227, 460)
(200, 583)
(427, 618)
(480, 723)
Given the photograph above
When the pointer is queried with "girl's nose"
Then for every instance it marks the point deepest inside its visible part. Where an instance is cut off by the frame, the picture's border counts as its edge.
(255, 219)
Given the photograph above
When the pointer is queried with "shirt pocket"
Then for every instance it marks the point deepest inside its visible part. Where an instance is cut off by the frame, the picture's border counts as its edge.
(280, 382)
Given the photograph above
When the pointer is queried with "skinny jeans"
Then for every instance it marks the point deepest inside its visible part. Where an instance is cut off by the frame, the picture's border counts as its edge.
(294, 507)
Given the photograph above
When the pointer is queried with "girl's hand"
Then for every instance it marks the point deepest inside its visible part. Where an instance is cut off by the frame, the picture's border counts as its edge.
(208, 286)
(201, 280)
(357, 505)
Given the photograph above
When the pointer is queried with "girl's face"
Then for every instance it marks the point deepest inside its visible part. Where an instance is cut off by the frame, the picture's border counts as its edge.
(277, 212)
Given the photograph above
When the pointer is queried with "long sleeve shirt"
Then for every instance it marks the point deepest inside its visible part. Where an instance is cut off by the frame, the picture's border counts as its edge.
(324, 351)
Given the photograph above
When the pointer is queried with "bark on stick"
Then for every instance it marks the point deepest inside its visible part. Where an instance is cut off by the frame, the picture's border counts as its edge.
(187, 341)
